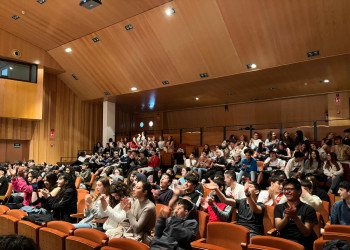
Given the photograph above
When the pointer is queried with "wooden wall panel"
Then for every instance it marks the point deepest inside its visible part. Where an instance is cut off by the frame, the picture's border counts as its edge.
(77, 124)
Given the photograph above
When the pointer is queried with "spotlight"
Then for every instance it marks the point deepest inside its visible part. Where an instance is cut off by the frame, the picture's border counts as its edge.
(170, 11)
(68, 50)
(252, 66)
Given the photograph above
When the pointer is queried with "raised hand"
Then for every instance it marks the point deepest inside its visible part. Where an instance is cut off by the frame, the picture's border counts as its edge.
(104, 203)
(211, 185)
(204, 203)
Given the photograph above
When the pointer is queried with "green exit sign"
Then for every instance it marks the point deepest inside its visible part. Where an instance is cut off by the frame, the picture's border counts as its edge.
(17, 145)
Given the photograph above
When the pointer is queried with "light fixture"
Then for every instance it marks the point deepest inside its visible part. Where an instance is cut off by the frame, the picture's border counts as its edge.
(252, 66)
(170, 11)
(141, 124)
(90, 4)
(204, 75)
(325, 81)
(150, 123)
(196, 98)
(106, 93)
(313, 53)
(68, 50)
(165, 82)
(128, 27)
(95, 39)
(75, 77)
(272, 88)
(15, 17)
(37, 62)
(133, 88)
(41, 1)
(11, 68)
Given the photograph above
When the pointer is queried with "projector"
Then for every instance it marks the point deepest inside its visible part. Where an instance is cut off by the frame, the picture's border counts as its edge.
(90, 4)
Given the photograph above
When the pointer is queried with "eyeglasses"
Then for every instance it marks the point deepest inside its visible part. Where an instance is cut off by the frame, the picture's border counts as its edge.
(288, 190)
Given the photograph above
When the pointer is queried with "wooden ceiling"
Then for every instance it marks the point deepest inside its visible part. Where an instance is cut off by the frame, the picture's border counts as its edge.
(219, 37)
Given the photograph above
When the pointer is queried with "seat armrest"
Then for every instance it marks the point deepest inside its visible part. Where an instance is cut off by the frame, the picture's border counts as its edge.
(78, 215)
(103, 220)
(272, 232)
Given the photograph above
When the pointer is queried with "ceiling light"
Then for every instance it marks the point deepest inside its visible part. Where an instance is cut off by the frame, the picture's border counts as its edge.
(313, 53)
(150, 124)
(204, 75)
(75, 77)
(90, 4)
(196, 98)
(128, 27)
(106, 93)
(37, 62)
(252, 66)
(95, 39)
(11, 68)
(272, 88)
(325, 81)
(170, 11)
(133, 88)
(15, 17)
(68, 50)
(165, 82)
(41, 1)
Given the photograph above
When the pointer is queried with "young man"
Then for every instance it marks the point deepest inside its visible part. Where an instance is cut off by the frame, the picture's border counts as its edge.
(341, 209)
(294, 219)
(346, 139)
(250, 213)
(217, 210)
(153, 162)
(178, 231)
(249, 166)
(191, 181)
(233, 190)
(274, 194)
(164, 194)
(295, 166)
(341, 150)
(190, 163)
(3, 181)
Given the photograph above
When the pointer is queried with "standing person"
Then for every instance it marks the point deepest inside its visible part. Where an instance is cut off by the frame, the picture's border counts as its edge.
(341, 209)
(3, 181)
(294, 219)
(249, 166)
(333, 169)
(140, 212)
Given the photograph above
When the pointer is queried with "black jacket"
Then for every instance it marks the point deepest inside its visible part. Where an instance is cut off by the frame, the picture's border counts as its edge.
(64, 204)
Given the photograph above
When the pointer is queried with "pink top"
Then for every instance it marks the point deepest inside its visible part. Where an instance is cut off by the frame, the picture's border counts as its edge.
(20, 185)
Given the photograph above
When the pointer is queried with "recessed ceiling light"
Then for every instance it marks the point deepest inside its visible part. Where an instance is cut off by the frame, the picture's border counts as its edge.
(128, 27)
(107, 93)
(305, 83)
(15, 17)
(170, 11)
(11, 68)
(95, 39)
(325, 81)
(37, 62)
(272, 88)
(41, 1)
(75, 77)
(133, 88)
(252, 66)
(150, 124)
(68, 50)
(196, 98)
(165, 82)
(204, 75)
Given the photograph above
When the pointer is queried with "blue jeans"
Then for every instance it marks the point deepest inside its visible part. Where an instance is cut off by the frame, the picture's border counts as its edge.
(201, 171)
(82, 225)
(250, 174)
(335, 182)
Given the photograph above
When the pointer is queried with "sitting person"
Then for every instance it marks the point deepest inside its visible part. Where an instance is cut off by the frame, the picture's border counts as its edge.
(188, 163)
(92, 205)
(112, 209)
(294, 219)
(250, 213)
(341, 150)
(217, 210)
(85, 173)
(249, 166)
(218, 165)
(234, 189)
(274, 194)
(333, 169)
(317, 190)
(295, 166)
(164, 194)
(65, 202)
(140, 212)
(202, 165)
(3, 181)
(341, 209)
(188, 190)
(153, 162)
(176, 232)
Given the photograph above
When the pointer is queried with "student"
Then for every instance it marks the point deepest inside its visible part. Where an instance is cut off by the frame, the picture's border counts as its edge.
(234, 189)
(191, 182)
(179, 230)
(250, 213)
(249, 166)
(164, 194)
(16, 242)
(274, 194)
(295, 166)
(341, 209)
(294, 219)
(333, 169)
(3, 181)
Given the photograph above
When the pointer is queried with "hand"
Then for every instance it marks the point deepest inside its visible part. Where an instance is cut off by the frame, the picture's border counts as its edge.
(126, 204)
(12, 172)
(291, 212)
(211, 185)
(103, 202)
(164, 212)
(204, 203)
(246, 186)
(244, 166)
(271, 193)
(45, 193)
(210, 201)
(88, 200)
(333, 177)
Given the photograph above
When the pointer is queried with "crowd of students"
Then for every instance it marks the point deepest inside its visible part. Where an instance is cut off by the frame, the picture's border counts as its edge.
(130, 181)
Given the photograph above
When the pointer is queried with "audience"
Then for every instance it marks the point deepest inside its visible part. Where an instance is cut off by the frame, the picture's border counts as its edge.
(341, 209)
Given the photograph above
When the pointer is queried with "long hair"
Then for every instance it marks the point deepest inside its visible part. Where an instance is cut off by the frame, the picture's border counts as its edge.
(70, 184)
(51, 178)
(146, 186)
(318, 159)
(334, 161)
(106, 185)
(119, 188)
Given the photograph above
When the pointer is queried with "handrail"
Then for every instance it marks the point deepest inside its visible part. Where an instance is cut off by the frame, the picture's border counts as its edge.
(67, 157)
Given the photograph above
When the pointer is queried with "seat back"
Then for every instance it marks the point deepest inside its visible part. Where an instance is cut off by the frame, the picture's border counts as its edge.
(29, 229)
(82, 191)
(275, 242)
(332, 200)
(337, 229)
(6, 197)
(336, 236)
(206, 192)
(166, 209)
(127, 244)
(91, 234)
(202, 219)
(325, 211)
(93, 176)
(227, 235)
(77, 182)
(268, 220)
(318, 226)
(3, 209)
(18, 214)
(260, 165)
(62, 226)
(318, 244)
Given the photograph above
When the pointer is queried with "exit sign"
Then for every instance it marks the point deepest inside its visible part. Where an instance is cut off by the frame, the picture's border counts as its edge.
(17, 145)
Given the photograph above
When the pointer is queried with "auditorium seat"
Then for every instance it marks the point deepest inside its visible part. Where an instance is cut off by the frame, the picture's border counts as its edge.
(167, 209)
(29, 229)
(127, 244)
(325, 212)
(9, 221)
(332, 200)
(275, 243)
(318, 226)
(223, 235)
(202, 219)
(318, 244)
(78, 182)
(90, 183)
(5, 198)
(269, 220)
(3, 209)
(336, 232)
(53, 236)
(86, 239)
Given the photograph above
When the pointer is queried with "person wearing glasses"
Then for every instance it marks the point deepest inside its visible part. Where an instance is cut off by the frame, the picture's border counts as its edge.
(295, 219)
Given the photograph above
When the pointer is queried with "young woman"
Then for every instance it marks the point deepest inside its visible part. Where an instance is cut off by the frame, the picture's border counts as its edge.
(169, 144)
(283, 151)
(313, 166)
(140, 212)
(116, 215)
(65, 202)
(272, 141)
(288, 141)
(91, 210)
(161, 142)
(333, 169)
(117, 175)
(243, 139)
(206, 149)
(261, 152)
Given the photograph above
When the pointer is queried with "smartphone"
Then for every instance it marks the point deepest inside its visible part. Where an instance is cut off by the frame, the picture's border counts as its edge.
(41, 184)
